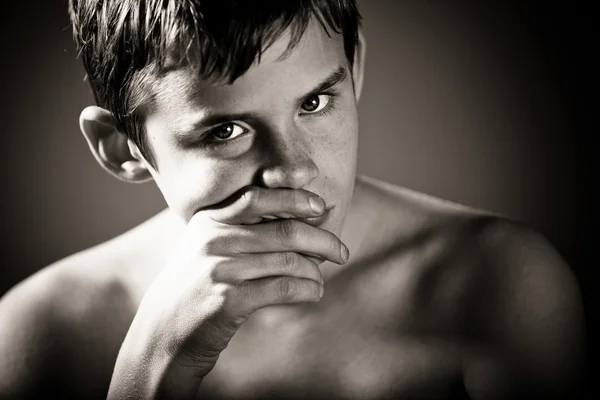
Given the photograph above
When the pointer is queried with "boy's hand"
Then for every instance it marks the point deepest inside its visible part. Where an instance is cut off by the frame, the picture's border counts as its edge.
(228, 266)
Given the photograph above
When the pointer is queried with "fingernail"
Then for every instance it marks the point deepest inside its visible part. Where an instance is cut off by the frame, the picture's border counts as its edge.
(321, 290)
(345, 253)
(316, 204)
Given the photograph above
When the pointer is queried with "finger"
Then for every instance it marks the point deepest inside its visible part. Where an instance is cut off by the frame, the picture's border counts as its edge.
(292, 235)
(262, 265)
(264, 292)
(251, 204)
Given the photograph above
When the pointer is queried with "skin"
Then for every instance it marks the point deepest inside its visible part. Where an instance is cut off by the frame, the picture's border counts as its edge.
(436, 300)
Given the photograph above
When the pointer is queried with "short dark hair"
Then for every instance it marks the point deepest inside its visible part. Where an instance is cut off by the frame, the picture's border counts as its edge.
(124, 42)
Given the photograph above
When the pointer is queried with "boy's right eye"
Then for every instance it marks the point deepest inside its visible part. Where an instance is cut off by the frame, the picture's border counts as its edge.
(227, 131)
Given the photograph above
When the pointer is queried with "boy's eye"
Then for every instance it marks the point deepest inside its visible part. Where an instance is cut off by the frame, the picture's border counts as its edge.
(227, 131)
(316, 103)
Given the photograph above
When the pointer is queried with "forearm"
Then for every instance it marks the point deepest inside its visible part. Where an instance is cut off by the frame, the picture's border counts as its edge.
(152, 383)
(146, 372)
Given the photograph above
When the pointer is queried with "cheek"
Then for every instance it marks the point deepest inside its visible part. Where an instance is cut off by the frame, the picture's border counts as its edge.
(334, 145)
(337, 144)
(191, 185)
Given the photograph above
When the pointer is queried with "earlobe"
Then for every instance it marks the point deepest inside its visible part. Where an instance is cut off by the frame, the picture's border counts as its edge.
(358, 69)
(110, 147)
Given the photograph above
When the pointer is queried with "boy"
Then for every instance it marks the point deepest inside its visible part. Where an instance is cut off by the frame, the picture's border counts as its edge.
(276, 271)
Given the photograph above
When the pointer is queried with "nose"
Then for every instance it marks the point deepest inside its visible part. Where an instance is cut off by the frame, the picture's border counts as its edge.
(288, 163)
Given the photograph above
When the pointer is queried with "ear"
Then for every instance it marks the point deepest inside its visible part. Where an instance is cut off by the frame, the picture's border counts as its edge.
(358, 69)
(114, 152)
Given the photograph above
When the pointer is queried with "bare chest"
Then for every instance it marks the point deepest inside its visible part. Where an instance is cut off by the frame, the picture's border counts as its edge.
(354, 344)
(349, 367)
(386, 328)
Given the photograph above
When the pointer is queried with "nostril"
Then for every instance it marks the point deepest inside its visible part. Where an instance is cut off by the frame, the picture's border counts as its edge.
(286, 160)
(291, 173)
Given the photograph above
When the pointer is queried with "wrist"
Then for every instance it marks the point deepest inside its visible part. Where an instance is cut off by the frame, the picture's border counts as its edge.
(145, 370)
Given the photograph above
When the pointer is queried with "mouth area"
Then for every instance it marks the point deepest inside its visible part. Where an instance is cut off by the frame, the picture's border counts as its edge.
(319, 220)
(314, 221)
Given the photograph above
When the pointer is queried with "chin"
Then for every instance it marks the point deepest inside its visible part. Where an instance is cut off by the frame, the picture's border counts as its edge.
(335, 222)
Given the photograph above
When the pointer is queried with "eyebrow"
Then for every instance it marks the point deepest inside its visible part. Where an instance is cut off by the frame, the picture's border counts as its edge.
(337, 76)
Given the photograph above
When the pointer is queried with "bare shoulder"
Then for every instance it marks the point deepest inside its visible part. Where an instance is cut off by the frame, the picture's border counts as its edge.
(55, 317)
(61, 329)
(497, 286)
(529, 320)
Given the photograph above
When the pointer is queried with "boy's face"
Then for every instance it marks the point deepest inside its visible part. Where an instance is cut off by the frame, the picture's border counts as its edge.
(275, 126)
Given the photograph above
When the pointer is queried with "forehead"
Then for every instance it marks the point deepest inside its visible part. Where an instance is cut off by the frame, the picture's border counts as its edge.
(279, 70)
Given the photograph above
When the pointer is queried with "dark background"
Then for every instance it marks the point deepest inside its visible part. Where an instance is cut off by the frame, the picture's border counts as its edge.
(487, 105)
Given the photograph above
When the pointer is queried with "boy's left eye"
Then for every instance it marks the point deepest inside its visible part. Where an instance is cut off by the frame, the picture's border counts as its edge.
(315, 103)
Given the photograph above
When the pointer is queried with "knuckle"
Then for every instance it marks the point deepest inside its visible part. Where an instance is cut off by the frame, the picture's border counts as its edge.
(221, 241)
(290, 260)
(298, 199)
(287, 288)
(211, 245)
(226, 298)
(250, 199)
(218, 271)
(286, 231)
(220, 296)
(315, 274)
(313, 290)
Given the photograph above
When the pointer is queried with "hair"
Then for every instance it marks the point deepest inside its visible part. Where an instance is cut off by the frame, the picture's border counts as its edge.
(126, 43)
